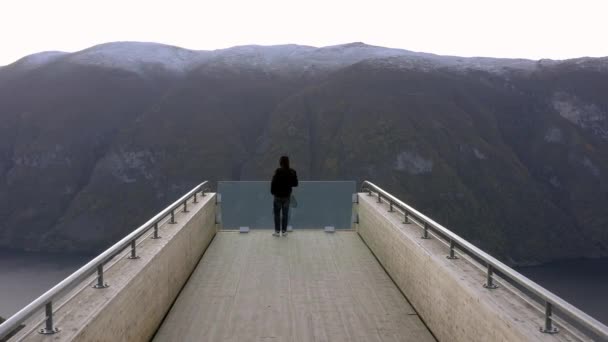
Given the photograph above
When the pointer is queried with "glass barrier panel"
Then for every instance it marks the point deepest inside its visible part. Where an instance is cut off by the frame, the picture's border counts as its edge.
(318, 204)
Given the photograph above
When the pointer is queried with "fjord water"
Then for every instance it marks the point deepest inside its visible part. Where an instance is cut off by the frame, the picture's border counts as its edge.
(583, 283)
(25, 276)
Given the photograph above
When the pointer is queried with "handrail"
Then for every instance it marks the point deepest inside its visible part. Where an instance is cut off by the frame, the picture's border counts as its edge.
(551, 300)
(95, 265)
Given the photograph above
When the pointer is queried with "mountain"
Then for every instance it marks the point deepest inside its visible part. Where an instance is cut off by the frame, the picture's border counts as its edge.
(511, 154)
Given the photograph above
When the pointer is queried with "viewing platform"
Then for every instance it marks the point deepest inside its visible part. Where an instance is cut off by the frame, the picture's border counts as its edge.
(308, 286)
(357, 265)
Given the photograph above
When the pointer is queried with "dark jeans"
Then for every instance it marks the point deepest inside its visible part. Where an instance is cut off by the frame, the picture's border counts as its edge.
(281, 205)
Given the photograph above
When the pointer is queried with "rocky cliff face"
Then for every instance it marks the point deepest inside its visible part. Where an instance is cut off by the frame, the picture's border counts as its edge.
(511, 154)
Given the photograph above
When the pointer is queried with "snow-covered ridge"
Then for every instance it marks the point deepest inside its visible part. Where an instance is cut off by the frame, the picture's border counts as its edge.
(304, 58)
(135, 56)
(141, 57)
(39, 59)
(423, 62)
(588, 63)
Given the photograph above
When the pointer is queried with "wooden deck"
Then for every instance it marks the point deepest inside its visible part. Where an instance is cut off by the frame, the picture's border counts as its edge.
(308, 286)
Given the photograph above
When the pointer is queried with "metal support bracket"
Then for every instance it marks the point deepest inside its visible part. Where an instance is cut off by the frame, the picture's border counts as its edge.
(100, 283)
(133, 250)
(48, 329)
(452, 255)
(490, 280)
(155, 235)
(549, 328)
(45, 331)
(330, 229)
(425, 234)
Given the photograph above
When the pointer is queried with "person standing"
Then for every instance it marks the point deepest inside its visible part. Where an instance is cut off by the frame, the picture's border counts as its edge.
(284, 179)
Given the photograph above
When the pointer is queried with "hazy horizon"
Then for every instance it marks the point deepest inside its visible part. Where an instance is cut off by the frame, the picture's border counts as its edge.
(515, 29)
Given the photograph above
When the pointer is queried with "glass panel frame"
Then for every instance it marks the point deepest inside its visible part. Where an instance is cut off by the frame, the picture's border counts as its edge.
(319, 204)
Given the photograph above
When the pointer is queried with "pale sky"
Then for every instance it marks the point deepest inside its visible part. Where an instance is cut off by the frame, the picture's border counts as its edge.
(512, 28)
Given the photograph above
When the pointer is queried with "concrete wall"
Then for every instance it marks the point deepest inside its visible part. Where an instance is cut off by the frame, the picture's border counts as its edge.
(447, 294)
(141, 291)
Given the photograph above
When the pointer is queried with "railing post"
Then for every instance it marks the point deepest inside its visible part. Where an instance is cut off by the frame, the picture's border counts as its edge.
(379, 198)
(405, 218)
(194, 201)
(172, 217)
(100, 284)
(452, 246)
(390, 206)
(133, 250)
(186, 206)
(48, 327)
(549, 328)
(155, 236)
(425, 235)
(203, 192)
(490, 280)
(369, 192)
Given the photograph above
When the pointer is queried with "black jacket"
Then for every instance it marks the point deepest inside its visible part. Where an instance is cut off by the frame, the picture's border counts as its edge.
(282, 182)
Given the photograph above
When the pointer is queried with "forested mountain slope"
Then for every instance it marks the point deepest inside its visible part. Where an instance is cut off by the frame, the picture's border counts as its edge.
(511, 154)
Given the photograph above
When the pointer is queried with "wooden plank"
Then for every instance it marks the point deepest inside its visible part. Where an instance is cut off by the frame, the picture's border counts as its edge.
(309, 286)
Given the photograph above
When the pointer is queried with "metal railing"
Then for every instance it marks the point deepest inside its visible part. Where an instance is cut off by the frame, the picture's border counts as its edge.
(551, 301)
(96, 265)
